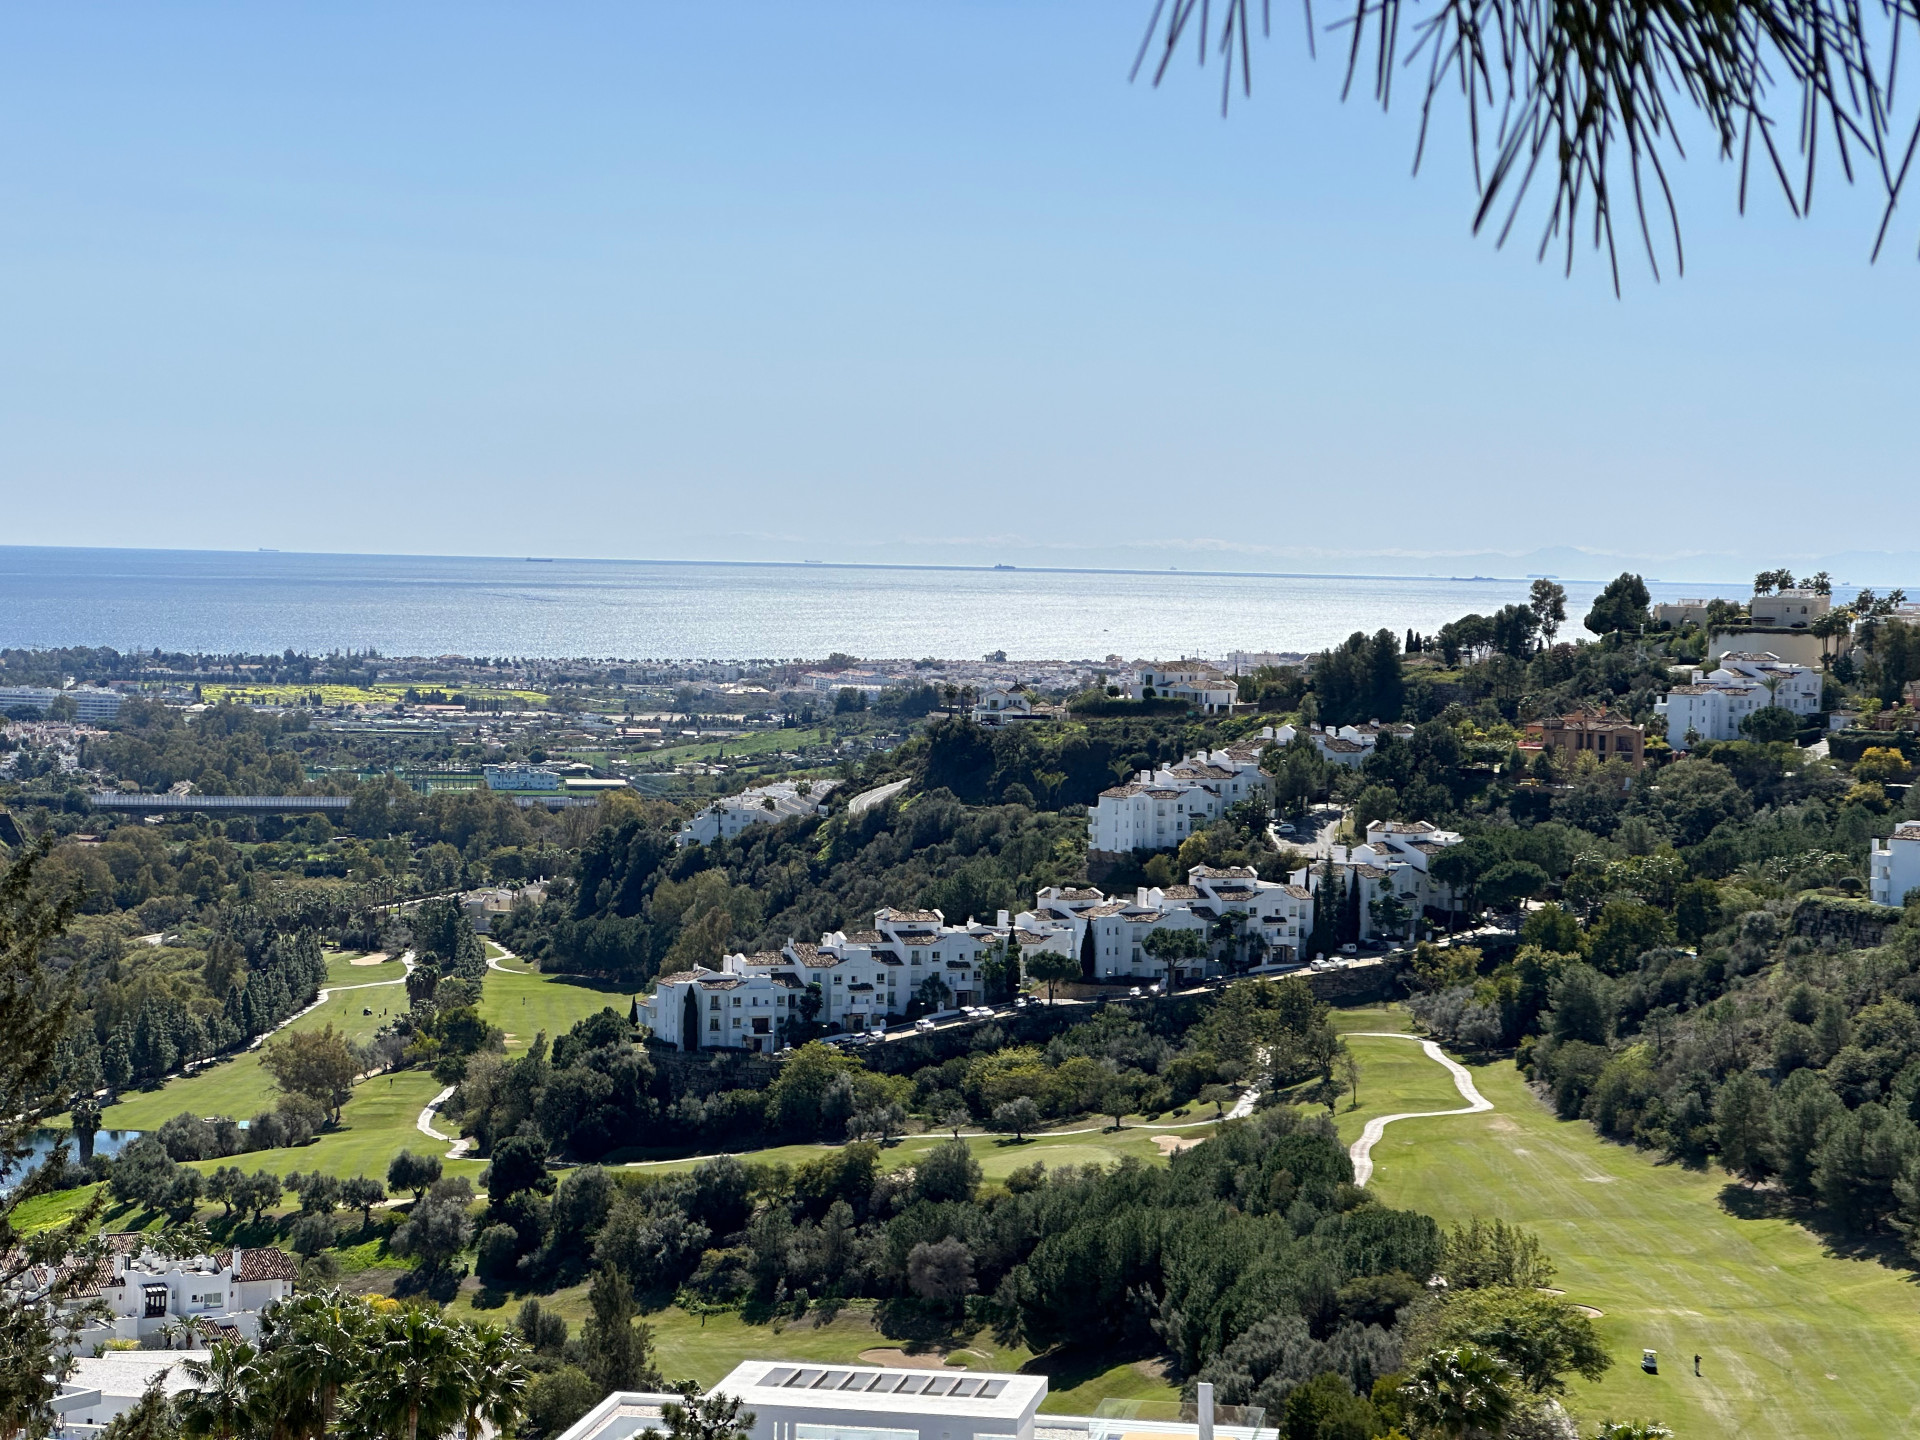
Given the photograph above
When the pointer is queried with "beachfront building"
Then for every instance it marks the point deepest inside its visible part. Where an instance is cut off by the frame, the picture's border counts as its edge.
(1158, 809)
(770, 804)
(1893, 865)
(1789, 609)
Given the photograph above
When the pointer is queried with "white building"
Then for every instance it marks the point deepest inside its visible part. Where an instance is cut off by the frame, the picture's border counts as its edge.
(1893, 865)
(1242, 920)
(148, 1295)
(1712, 707)
(771, 804)
(1200, 684)
(798, 1401)
(1799, 688)
(997, 707)
(103, 1386)
(520, 777)
(1348, 745)
(859, 980)
(1158, 809)
(88, 704)
(1396, 857)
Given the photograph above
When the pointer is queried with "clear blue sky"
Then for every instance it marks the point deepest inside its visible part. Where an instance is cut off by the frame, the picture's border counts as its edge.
(928, 281)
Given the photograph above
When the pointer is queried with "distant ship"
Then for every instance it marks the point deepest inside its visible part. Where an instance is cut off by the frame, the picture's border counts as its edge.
(268, 550)
(539, 559)
(1004, 567)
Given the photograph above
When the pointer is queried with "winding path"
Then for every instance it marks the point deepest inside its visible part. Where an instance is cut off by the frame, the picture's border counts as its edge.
(1361, 1151)
(424, 1121)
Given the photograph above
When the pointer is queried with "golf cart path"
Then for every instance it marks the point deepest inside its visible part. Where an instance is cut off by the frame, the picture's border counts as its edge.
(424, 1121)
(1361, 1151)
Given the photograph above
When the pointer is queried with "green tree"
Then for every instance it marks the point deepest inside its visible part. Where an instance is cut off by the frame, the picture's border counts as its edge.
(45, 1305)
(703, 1417)
(414, 1382)
(320, 1342)
(319, 1064)
(616, 1346)
(408, 1171)
(1548, 602)
(1743, 1126)
(494, 1379)
(1622, 606)
(1170, 945)
(1052, 968)
(1459, 1391)
(1770, 723)
(226, 1401)
(1015, 1117)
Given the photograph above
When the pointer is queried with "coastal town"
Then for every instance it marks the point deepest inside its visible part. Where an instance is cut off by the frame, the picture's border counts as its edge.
(384, 971)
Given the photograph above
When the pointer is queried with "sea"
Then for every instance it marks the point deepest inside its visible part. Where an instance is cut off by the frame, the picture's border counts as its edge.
(222, 602)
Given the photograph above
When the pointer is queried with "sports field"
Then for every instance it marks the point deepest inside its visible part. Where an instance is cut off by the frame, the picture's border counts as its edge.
(1795, 1342)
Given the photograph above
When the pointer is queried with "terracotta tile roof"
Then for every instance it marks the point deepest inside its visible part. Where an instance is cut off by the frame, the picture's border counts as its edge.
(267, 1263)
(864, 937)
(1100, 912)
(1180, 892)
(909, 917)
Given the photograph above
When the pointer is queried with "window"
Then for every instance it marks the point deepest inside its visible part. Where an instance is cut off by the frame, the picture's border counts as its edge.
(736, 1002)
(714, 1003)
(714, 1023)
(156, 1297)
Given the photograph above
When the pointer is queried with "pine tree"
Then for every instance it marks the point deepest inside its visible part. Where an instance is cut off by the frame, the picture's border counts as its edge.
(116, 1059)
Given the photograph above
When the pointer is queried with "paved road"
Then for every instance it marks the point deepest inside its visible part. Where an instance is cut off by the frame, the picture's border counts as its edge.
(1361, 1152)
(879, 795)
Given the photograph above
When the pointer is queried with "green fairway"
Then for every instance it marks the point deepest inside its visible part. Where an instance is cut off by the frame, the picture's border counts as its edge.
(1796, 1342)
(1081, 1144)
(523, 1004)
(237, 1086)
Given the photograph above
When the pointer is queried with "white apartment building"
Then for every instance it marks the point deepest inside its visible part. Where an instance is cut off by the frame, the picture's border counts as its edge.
(520, 777)
(148, 1295)
(88, 704)
(1799, 688)
(1199, 683)
(1893, 865)
(1348, 745)
(1265, 925)
(1708, 712)
(771, 804)
(863, 979)
(1397, 857)
(1159, 808)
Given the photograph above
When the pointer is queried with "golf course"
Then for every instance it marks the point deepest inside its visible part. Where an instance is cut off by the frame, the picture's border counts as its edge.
(1795, 1341)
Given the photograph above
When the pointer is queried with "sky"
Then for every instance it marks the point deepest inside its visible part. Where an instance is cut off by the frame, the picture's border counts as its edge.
(917, 282)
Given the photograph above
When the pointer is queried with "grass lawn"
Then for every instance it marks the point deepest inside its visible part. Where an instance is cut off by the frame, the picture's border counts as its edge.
(525, 1003)
(238, 1086)
(1797, 1342)
(998, 1157)
(688, 1347)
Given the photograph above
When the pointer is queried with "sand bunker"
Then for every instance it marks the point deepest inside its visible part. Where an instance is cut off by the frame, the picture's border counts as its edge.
(901, 1360)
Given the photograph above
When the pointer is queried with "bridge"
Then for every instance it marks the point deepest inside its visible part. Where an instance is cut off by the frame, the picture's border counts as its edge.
(221, 804)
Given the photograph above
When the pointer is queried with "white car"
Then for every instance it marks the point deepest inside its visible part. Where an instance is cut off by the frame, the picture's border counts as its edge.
(1134, 993)
(923, 1024)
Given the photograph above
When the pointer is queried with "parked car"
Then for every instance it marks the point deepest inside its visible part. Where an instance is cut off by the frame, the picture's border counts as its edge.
(1285, 827)
(923, 1024)
(1021, 1003)
(1349, 949)
(1134, 993)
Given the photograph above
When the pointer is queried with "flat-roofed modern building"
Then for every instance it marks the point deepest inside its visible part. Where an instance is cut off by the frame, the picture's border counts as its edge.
(848, 1402)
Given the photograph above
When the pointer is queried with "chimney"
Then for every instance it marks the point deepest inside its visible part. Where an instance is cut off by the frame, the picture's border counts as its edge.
(1203, 1401)
(1005, 921)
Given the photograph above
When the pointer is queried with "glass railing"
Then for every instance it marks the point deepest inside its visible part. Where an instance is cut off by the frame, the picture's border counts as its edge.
(1115, 1419)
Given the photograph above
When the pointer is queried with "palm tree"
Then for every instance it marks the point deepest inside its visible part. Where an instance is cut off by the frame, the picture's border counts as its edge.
(321, 1343)
(226, 1404)
(414, 1378)
(496, 1381)
(1457, 1391)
